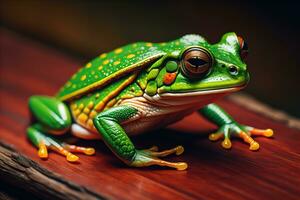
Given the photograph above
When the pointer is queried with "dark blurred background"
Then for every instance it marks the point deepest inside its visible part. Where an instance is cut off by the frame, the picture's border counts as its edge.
(84, 29)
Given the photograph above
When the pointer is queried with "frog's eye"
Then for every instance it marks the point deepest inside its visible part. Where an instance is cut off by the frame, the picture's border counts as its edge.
(196, 62)
(243, 47)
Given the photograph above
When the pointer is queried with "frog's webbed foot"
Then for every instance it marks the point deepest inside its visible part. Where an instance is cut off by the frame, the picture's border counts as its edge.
(151, 156)
(242, 131)
(45, 143)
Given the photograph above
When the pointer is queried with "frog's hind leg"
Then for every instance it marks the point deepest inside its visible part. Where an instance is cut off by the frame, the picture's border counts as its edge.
(51, 116)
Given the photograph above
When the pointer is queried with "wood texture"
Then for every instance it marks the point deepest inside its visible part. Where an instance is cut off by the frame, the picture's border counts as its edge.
(19, 170)
(29, 68)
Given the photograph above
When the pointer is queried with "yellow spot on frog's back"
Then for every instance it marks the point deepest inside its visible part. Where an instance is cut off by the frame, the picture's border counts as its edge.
(116, 62)
(86, 110)
(177, 43)
(90, 105)
(118, 50)
(97, 95)
(163, 44)
(88, 65)
(90, 123)
(76, 112)
(82, 118)
(93, 72)
(130, 56)
(100, 67)
(73, 106)
(149, 44)
(105, 62)
(83, 77)
(81, 106)
(103, 55)
(93, 114)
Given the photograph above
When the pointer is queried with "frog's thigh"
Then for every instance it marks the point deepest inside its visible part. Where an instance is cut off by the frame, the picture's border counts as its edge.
(51, 113)
(83, 133)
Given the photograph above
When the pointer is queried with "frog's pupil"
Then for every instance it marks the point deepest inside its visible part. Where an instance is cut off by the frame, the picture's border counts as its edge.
(196, 62)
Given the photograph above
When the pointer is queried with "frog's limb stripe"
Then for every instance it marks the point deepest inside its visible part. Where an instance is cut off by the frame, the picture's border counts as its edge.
(108, 124)
(227, 125)
(99, 107)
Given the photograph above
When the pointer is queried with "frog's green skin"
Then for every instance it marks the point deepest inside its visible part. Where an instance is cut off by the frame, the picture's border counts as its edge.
(139, 87)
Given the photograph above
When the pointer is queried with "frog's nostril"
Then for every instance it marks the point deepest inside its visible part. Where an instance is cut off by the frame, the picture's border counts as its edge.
(233, 70)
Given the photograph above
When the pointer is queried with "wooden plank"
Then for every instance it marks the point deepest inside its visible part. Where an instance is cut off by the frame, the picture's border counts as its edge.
(29, 68)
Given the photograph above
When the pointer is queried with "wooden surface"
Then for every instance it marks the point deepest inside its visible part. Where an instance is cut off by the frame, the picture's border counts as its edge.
(29, 68)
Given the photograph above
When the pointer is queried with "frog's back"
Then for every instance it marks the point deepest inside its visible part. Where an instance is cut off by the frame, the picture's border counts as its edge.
(110, 66)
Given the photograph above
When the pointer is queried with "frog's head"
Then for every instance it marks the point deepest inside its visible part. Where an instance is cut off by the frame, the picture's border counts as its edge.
(205, 68)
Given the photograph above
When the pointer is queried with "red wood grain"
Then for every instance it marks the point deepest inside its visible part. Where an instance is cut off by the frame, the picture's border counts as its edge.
(27, 68)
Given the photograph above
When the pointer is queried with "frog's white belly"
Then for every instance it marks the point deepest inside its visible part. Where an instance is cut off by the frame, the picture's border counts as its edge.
(159, 111)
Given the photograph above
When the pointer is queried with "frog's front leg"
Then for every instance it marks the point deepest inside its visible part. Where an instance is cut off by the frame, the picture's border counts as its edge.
(52, 117)
(108, 123)
(228, 126)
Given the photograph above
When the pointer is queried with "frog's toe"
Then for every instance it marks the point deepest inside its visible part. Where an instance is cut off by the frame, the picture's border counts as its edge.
(143, 158)
(62, 151)
(67, 150)
(226, 144)
(215, 136)
(223, 132)
(254, 146)
(153, 148)
(78, 149)
(153, 151)
(43, 151)
(261, 132)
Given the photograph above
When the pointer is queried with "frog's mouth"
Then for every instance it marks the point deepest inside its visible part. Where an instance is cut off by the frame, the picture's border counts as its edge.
(193, 97)
(203, 92)
(219, 90)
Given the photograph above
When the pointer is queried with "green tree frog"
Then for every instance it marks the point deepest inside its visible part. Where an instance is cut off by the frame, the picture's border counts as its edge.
(140, 87)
